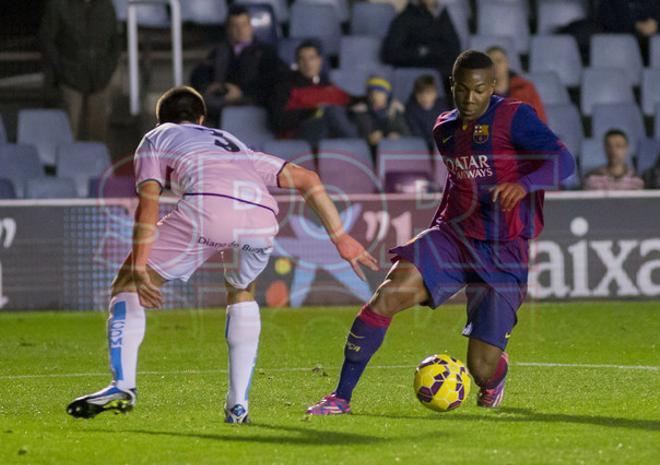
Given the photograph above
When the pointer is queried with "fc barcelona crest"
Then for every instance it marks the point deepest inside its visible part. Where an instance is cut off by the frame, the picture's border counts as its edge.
(480, 134)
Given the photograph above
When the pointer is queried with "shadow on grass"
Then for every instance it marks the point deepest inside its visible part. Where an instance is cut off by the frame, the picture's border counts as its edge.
(520, 415)
(254, 433)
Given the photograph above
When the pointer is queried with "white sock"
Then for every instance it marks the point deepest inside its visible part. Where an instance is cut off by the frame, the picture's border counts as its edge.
(242, 335)
(125, 333)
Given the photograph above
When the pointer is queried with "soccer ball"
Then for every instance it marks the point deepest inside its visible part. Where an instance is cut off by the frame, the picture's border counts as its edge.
(442, 383)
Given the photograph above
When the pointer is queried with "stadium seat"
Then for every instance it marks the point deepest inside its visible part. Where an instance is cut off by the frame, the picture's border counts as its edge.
(558, 53)
(294, 150)
(460, 17)
(549, 87)
(371, 19)
(207, 12)
(343, 174)
(624, 116)
(3, 131)
(483, 43)
(617, 51)
(522, 4)
(497, 18)
(7, 189)
(553, 14)
(264, 24)
(404, 155)
(316, 20)
(565, 121)
(359, 51)
(463, 5)
(654, 52)
(403, 81)
(341, 7)
(354, 80)
(248, 123)
(45, 129)
(592, 155)
(149, 15)
(81, 161)
(650, 90)
(112, 187)
(604, 85)
(280, 8)
(647, 154)
(354, 148)
(50, 188)
(20, 163)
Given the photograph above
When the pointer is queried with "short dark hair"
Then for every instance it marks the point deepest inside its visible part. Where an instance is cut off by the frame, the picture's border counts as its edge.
(615, 132)
(237, 10)
(179, 104)
(423, 83)
(472, 59)
(309, 43)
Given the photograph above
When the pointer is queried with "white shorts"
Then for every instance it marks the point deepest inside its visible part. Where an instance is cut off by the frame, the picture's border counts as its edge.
(201, 227)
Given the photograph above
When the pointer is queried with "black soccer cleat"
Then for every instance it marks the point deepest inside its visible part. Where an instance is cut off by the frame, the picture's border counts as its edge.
(110, 398)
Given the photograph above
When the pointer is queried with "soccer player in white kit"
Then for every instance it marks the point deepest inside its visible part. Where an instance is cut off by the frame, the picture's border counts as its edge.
(224, 204)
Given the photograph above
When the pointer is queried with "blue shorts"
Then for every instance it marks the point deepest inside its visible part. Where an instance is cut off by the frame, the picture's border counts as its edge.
(493, 272)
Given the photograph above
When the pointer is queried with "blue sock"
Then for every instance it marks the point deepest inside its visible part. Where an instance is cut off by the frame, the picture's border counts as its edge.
(364, 339)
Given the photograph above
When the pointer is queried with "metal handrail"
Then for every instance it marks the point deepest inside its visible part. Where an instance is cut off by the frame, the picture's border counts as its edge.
(133, 51)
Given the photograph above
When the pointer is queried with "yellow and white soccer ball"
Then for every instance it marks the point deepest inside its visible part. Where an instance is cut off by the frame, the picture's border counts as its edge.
(442, 382)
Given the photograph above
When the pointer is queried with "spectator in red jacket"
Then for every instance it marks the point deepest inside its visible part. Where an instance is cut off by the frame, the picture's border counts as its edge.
(306, 105)
(509, 84)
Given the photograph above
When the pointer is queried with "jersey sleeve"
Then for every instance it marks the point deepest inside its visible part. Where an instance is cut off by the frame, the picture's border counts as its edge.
(268, 167)
(548, 157)
(148, 165)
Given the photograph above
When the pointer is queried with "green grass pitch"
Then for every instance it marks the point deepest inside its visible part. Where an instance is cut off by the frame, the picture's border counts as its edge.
(561, 406)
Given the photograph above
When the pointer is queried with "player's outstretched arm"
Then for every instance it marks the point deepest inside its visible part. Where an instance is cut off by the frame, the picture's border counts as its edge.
(144, 231)
(309, 185)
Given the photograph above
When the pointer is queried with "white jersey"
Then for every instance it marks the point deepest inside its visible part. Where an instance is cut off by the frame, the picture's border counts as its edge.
(195, 160)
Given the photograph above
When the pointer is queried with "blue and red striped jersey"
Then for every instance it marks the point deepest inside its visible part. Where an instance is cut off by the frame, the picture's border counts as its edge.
(508, 143)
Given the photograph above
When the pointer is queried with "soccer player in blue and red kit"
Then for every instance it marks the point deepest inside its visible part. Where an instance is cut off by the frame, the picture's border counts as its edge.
(500, 159)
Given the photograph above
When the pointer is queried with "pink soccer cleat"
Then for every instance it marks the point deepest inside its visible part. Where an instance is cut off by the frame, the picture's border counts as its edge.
(493, 397)
(330, 405)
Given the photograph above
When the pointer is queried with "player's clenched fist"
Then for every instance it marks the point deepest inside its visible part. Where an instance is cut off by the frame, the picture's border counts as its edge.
(509, 194)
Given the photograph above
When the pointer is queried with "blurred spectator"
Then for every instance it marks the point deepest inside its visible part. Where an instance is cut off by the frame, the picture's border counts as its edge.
(510, 84)
(81, 48)
(241, 70)
(306, 105)
(424, 107)
(617, 174)
(381, 116)
(651, 176)
(424, 36)
(639, 17)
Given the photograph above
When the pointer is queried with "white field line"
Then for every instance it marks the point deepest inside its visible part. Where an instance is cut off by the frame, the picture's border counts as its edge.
(303, 369)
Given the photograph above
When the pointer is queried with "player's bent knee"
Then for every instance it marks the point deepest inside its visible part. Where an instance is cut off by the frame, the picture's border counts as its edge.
(390, 298)
(236, 294)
